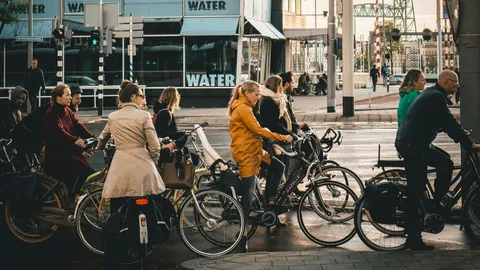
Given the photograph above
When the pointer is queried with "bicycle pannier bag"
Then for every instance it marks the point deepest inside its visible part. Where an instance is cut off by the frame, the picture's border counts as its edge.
(381, 200)
(177, 176)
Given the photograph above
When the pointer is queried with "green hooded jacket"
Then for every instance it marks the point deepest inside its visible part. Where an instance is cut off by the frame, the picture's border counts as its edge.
(406, 99)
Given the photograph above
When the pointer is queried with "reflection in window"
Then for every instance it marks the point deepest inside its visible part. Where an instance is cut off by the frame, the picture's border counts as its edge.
(161, 63)
(211, 61)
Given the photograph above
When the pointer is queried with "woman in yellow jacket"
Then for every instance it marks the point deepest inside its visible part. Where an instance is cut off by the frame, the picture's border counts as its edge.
(246, 146)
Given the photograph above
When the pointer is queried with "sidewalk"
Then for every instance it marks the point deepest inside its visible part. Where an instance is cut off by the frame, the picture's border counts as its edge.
(371, 108)
(331, 258)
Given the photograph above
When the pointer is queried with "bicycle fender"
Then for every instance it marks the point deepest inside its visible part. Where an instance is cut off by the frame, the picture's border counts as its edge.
(80, 200)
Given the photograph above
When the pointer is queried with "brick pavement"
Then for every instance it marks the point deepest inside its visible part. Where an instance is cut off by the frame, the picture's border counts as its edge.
(327, 258)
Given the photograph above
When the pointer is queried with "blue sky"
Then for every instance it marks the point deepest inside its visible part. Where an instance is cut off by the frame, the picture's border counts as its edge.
(425, 14)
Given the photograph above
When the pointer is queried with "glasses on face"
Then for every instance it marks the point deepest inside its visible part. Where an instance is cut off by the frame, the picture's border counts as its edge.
(455, 82)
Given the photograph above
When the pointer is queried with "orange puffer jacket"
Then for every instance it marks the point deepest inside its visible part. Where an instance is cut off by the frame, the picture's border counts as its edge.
(246, 134)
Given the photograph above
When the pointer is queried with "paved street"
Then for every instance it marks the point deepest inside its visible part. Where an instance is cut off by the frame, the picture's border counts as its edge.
(357, 152)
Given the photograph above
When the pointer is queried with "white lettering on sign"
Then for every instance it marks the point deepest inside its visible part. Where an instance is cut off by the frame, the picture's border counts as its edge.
(207, 5)
(211, 80)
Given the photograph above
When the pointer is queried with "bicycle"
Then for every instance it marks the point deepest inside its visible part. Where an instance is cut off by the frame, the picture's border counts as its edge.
(323, 201)
(389, 234)
(44, 204)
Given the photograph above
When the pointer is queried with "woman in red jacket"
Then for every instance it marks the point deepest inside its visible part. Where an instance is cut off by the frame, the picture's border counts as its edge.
(64, 158)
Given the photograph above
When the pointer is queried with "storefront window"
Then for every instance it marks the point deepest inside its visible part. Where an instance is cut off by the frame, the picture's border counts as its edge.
(211, 61)
(17, 62)
(159, 62)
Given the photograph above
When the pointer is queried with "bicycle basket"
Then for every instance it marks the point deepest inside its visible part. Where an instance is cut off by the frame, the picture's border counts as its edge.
(382, 200)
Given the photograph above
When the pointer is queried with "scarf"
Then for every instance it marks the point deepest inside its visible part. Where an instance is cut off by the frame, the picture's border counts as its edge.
(281, 101)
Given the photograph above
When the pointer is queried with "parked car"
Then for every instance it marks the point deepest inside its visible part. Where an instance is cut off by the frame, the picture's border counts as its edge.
(76, 79)
(396, 79)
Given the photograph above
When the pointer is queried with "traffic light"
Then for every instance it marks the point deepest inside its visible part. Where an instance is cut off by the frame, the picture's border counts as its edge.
(387, 56)
(396, 34)
(427, 34)
(59, 32)
(94, 40)
(110, 46)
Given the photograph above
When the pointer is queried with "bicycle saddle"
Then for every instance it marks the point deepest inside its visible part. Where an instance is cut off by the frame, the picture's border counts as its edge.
(284, 149)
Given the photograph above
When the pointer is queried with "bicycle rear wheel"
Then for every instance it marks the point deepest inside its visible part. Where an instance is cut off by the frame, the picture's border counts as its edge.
(383, 237)
(213, 216)
(24, 218)
(334, 225)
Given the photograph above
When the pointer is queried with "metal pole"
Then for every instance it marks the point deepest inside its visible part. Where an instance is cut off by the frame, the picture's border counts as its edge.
(315, 13)
(131, 48)
(123, 59)
(240, 42)
(469, 53)
(61, 13)
(100, 63)
(331, 101)
(348, 59)
(439, 37)
(30, 31)
(384, 36)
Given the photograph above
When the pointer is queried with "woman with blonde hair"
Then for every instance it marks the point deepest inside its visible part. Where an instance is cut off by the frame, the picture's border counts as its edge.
(246, 134)
(164, 108)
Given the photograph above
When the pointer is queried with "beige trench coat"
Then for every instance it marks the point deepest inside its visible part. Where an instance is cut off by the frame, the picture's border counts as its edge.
(133, 171)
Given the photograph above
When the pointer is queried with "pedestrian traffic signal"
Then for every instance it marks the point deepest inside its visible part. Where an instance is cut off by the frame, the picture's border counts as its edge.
(396, 34)
(94, 40)
(59, 32)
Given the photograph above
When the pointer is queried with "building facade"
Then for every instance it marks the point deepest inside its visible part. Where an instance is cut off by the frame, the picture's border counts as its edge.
(188, 44)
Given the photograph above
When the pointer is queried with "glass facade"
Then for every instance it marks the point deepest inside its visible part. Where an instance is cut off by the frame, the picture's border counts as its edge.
(210, 61)
(166, 57)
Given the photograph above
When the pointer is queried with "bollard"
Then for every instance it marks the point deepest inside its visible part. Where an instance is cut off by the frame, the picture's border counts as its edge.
(388, 83)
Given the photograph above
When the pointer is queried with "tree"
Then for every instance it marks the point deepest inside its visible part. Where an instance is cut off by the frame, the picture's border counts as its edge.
(8, 12)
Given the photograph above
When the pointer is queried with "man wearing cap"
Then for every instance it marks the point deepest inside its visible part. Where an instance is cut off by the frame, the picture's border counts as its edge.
(10, 114)
(76, 98)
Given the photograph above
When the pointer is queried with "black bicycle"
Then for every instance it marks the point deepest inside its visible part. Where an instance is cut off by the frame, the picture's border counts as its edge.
(325, 210)
(384, 230)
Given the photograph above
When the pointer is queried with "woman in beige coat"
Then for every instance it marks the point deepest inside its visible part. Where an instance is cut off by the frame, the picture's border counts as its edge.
(133, 171)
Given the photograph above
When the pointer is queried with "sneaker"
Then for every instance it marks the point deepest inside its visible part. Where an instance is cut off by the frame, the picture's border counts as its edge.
(417, 244)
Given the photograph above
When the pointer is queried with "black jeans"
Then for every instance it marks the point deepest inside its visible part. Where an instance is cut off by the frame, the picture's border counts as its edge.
(416, 160)
(374, 82)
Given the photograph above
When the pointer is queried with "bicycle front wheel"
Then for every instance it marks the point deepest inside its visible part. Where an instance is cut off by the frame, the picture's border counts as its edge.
(344, 176)
(89, 223)
(328, 219)
(213, 216)
(471, 215)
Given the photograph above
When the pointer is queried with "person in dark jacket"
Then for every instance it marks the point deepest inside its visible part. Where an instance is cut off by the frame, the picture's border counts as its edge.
(287, 84)
(31, 130)
(76, 98)
(10, 114)
(64, 159)
(33, 80)
(427, 115)
(321, 86)
(272, 107)
(374, 74)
